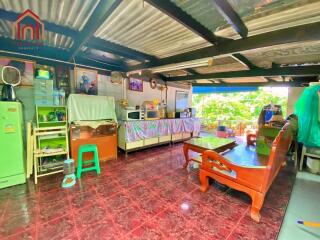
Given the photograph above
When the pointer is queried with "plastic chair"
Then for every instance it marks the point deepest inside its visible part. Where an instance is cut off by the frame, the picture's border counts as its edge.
(96, 166)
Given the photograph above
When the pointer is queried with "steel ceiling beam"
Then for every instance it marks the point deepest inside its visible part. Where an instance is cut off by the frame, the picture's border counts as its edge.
(191, 71)
(104, 59)
(173, 11)
(243, 60)
(232, 17)
(254, 84)
(105, 46)
(46, 53)
(24, 47)
(246, 62)
(100, 14)
(307, 32)
(260, 72)
(55, 62)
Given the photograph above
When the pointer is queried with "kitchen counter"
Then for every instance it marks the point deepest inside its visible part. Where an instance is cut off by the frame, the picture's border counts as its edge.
(142, 133)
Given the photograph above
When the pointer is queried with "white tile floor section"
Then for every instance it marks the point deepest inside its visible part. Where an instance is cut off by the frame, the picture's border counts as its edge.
(304, 205)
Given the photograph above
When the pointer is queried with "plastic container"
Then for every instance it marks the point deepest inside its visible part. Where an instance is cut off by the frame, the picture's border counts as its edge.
(313, 165)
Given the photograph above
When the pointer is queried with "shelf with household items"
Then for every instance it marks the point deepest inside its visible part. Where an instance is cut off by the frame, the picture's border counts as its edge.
(48, 116)
(50, 141)
(51, 148)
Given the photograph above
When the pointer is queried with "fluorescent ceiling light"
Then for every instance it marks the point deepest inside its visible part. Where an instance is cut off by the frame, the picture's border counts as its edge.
(180, 66)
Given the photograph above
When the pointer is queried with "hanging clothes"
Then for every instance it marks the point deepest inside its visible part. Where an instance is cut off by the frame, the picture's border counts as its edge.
(307, 110)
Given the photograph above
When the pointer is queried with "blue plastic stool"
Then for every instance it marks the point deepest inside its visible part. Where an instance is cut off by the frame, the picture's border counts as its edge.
(83, 149)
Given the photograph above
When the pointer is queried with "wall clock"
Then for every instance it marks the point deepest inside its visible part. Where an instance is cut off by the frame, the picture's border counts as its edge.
(116, 77)
(153, 83)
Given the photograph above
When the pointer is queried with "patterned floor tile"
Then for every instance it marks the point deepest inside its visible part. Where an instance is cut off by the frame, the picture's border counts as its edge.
(102, 230)
(128, 219)
(152, 205)
(15, 223)
(214, 226)
(29, 234)
(89, 215)
(248, 229)
(118, 202)
(83, 199)
(52, 210)
(60, 228)
(140, 192)
(148, 195)
(171, 223)
(148, 231)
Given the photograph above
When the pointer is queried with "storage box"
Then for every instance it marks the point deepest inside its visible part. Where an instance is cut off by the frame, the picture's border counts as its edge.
(313, 165)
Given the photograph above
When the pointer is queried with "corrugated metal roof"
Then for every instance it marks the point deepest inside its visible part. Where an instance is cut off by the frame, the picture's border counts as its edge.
(247, 8)
(71, 13)
(286, 54)
(138, 25)
(51, 39)
(5, 28)
(58, 40)
(279, 15)
(203, 11)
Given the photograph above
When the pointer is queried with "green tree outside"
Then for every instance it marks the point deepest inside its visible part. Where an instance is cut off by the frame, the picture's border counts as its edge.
(232, 108)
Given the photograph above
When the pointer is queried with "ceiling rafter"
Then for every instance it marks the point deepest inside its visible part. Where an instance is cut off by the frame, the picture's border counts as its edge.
(306, 32)
(104, 59)
(105, 46)
(253, 84)
(173, 11)
(102, 11)
(191, 71)
(44, 61)
(259, 72)
(232, 17)
(247, 63)
(49, 53)
(243, 60)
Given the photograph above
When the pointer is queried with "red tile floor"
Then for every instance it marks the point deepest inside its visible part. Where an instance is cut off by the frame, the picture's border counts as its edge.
(147, 196)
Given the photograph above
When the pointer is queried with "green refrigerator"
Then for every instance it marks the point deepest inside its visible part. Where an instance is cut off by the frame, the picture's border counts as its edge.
(12, 166)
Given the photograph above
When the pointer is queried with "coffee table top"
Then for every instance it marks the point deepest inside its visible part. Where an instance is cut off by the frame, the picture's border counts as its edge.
(211, 143)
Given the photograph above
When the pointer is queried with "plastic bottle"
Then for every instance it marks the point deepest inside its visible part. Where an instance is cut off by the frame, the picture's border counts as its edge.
(62, 97)
(56, 97)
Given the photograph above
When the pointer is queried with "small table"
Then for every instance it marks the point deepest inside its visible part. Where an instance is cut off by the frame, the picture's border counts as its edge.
(200, 145)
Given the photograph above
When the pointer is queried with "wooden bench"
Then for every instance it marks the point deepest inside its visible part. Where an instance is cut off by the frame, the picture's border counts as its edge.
(244, 170)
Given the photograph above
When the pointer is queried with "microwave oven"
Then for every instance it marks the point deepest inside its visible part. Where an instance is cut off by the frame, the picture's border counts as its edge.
(151, 115)
(130, 115)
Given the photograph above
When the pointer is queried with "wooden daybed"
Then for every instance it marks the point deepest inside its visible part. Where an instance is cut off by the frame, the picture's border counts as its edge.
(244, 170)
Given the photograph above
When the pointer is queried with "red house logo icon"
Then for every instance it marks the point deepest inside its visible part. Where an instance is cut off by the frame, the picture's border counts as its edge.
(28, 26)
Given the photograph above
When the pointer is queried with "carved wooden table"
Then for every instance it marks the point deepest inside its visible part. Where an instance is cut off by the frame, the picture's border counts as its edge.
(200, 145)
